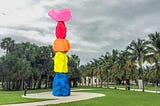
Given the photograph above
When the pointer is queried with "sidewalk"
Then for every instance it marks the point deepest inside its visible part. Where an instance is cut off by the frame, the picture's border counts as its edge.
(75, 96)
(139, 90)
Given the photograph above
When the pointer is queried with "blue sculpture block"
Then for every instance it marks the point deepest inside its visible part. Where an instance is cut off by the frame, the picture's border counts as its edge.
(61, 85)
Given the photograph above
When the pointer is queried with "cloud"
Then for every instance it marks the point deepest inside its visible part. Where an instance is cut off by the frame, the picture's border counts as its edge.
(95, 28)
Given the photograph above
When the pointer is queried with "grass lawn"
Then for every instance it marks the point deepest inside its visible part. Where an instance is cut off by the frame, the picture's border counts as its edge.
(118, 98)
(12, 97)
(113, 98)
(152, 88)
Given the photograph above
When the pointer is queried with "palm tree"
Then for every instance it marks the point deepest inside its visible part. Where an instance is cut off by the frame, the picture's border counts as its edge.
(148, 73)
(82, 72)
(94, 70)
(2, 72)
(44, 64)
(1, 79)
(7, 44)
(8, 70)
(138, 50)
(100, 70)
(121, 64)
(88, 74)
(74, 74)
(125, 66)
(105, 60)
(154, 56)
(25, 62)
(114, 58)
(28, 52)
(22, 71)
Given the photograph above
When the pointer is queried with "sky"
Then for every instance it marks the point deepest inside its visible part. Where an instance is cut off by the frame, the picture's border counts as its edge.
(96, 27)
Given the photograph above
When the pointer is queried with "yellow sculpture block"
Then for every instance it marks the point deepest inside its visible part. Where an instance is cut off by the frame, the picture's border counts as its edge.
(61, 62)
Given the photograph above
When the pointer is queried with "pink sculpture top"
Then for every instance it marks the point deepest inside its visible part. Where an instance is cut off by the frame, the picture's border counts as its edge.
(60, 15)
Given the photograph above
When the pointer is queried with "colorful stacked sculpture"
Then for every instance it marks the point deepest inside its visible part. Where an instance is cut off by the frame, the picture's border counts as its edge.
(61, 46)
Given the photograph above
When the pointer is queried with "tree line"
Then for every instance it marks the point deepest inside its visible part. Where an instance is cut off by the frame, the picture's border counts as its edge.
(29, 63)
(127, 65)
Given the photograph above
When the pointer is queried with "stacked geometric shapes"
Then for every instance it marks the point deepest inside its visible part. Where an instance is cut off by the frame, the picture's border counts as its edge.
(61, 30)
(61, 85)
(61, 62)
(61, 46)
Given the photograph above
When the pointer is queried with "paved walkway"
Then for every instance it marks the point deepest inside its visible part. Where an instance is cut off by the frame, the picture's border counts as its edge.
(140, 90)
(75, 96)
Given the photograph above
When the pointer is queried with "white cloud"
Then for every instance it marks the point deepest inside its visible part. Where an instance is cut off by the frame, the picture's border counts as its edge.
(19, 12)
(29, 35)
(96, 26)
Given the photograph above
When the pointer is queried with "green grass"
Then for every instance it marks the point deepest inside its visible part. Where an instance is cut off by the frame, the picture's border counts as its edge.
(118, 98)
(112, 98)
(124, 86)
(148, 87)
(13, 97)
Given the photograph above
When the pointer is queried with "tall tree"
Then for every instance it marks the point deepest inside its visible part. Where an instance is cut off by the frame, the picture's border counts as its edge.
(73, 64)
(8, 70)
(99, 70)
(154, 55)
(139, 49)
(82, 72)
(44, 64)
(25, 62)
(114, 58)
(7, 44)
(125, 67)
(106, 63)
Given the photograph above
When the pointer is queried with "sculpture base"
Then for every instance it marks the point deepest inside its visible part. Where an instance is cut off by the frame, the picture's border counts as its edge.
(61, 85)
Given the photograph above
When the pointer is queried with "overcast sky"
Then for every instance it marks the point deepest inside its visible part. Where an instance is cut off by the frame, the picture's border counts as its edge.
(97, 26)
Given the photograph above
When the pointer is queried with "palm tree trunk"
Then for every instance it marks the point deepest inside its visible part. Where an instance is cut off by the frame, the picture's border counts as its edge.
(21, 86)
(96, 80)
(39, 82)
(3, 81)
(126, 79)
(88, 81)
(34, 85)
(13, 84)
(101, 79)
(157, 73)
(46, 83)
(35, 81)
(92, 77)
(115, 83)
(142, 80)
(9, 85)
(30, 82)
(141, 74)
(92, 80)
(50, 81)
(107, 79)
(143, 84)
